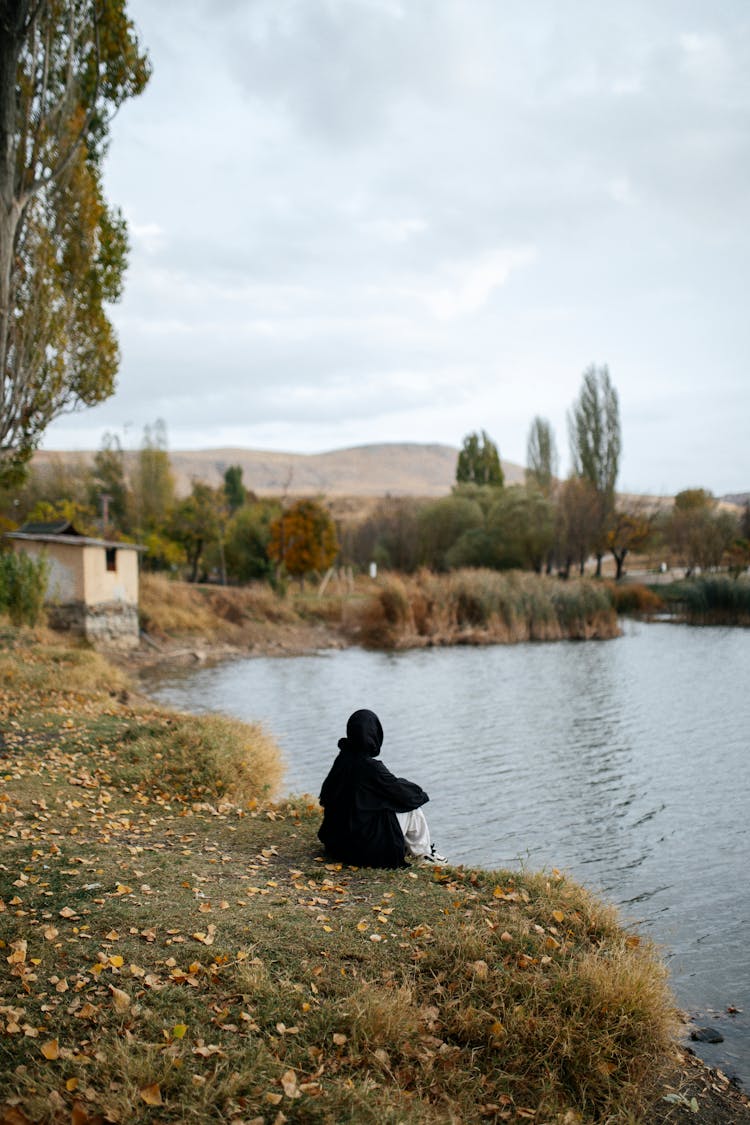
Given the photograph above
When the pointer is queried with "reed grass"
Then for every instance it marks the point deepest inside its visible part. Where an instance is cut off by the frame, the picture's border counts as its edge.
(484, 606)
(712, 600)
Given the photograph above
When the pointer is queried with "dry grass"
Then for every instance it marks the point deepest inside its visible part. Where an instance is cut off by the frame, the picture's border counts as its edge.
(484, 606)
(36, 660)
(213, 613)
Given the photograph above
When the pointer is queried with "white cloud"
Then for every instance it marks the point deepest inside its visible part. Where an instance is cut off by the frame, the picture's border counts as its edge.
(385, 220)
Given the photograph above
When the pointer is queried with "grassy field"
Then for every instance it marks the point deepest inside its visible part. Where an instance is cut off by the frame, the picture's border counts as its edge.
(176, 948)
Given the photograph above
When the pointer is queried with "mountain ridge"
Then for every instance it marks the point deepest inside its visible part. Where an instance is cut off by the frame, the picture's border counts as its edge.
(377, 469)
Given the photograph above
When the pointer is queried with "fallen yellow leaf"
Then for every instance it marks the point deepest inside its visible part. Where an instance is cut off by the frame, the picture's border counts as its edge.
(289, 1084)
(120, 999)
(50, 1049)
(152, 1094)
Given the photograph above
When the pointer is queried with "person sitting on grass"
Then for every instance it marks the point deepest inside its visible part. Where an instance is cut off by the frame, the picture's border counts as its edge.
(370, 817)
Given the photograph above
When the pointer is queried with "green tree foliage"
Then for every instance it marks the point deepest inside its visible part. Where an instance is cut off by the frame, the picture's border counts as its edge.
(153, 484)
(23, 586)
(521, 528)
(196, 523)
(303, 539)
(248, 537)
(441, 523)
(541, 456)
(108, 479)
(66, 66)
(234, 489)
(595, 444)
(479, 461)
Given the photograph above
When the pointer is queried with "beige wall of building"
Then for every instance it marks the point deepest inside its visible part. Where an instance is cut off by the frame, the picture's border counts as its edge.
(83, 572)
(102, 585)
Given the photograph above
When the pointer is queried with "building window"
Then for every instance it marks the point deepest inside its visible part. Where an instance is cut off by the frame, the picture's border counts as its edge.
(111, 558)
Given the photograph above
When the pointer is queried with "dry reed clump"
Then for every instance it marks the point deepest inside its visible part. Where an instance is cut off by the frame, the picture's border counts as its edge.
(485, 606)
(203, 757)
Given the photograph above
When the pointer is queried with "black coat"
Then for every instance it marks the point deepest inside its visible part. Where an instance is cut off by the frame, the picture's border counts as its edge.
(360, 799)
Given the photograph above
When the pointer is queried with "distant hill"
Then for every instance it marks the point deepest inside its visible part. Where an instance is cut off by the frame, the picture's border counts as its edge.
(398, 469)
(738, 498)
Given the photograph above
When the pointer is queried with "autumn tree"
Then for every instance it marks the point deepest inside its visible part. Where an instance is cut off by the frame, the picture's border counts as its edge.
(595, 444)
(628, 531)
(303, 539)
(698, 531)
(578, 523)
(66, 66)
(479, 461)
(541, 456)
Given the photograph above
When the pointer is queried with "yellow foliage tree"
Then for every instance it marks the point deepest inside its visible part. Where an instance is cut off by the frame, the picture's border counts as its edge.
(303, 539)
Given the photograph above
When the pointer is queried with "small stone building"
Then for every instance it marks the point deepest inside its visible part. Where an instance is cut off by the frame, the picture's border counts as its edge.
(92, 586)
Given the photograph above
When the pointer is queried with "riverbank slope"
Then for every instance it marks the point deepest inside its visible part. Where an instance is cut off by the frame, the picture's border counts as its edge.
(178, 948)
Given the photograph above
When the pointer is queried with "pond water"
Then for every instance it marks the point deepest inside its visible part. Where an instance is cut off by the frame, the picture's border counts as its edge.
(624, 762)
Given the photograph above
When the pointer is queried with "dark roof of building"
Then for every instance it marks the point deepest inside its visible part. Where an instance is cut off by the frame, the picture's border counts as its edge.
(68, 538)
(50, 527)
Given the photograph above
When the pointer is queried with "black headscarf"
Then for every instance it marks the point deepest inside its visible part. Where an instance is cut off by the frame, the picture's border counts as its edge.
(360, 799)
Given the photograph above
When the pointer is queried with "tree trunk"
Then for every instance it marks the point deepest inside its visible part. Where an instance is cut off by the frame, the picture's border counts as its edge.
(599, 565)
(12, 16)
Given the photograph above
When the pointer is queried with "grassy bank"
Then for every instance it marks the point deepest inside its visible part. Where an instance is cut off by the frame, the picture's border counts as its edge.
(178, 950)
(485, 607)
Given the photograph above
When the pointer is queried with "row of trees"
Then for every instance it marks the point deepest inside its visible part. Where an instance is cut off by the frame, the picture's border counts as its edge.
(518, 526)
(225, 531)
(587, 500)
(545, 524)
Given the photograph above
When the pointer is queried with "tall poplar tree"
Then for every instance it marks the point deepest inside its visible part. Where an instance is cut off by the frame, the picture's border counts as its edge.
(541, 456)
(66, 66)
(479, 461)
(595, 444)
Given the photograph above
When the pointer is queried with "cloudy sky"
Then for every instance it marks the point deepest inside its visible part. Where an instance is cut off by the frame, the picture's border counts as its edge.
(359, 221)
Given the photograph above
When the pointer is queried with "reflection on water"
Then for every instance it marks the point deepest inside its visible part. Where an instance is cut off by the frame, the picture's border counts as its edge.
(623, 762)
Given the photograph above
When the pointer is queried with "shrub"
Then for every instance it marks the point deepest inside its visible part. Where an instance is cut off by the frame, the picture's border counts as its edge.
(23, 585)
(635, 599)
